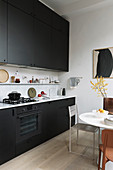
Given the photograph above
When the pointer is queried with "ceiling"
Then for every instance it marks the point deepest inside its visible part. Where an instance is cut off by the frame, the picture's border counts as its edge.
(69, 8)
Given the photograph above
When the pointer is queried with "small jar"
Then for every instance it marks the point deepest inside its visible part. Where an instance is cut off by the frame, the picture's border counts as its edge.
(32, 79)
(12, 79)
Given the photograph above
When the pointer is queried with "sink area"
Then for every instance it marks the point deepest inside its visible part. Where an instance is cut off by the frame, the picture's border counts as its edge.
(49, 98)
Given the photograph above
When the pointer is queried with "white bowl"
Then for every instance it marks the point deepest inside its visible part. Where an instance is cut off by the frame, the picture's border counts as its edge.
(102, 115)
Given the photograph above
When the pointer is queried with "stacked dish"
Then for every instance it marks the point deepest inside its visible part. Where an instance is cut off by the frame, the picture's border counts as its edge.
(109, 120)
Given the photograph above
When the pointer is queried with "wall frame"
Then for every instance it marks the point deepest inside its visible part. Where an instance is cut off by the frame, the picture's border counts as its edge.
(103, 62)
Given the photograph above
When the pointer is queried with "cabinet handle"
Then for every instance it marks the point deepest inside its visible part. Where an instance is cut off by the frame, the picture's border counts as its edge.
(20, 117)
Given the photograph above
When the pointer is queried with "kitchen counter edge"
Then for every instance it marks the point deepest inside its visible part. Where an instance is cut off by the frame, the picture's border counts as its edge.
(6, 106)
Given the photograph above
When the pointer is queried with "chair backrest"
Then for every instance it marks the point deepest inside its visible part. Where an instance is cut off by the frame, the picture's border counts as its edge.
(107, 137)
(108, 104)
(73, 111)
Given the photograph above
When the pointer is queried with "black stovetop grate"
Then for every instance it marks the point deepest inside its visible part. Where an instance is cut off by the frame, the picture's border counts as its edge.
(21, 100)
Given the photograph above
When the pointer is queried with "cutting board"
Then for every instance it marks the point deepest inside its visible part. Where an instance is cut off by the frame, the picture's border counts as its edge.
(4, 76)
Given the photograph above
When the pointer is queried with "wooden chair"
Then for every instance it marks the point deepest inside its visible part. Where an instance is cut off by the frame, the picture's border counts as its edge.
(106, 147)
(108, 105)
(73, 111)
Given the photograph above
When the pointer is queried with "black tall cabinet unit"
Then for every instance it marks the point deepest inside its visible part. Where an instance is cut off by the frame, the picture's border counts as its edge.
(3, 32)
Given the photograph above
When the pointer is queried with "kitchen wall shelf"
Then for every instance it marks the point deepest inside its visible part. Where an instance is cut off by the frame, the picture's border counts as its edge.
(29, 83)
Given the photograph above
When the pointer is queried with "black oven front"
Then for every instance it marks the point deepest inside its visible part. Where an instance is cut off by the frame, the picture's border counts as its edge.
(28, 122)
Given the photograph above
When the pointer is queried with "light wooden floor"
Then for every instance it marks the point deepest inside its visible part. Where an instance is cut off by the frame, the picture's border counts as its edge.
(54, 155)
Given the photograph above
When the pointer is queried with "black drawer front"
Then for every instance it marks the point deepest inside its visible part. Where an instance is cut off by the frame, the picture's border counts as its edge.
(24, 146)
(30, 107)
(65, 102)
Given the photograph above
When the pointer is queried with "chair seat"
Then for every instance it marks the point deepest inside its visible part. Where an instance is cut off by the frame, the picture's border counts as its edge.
(109, 152)
(86, 127)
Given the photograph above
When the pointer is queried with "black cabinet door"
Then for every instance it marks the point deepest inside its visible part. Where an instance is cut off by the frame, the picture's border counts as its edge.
(24, 5)
(49, 121)
(7, 135)
(42, 12)
(55, 118)
(59, 23)
(60, 50)
(3, 31)
(60, 42)
(63, 119)
(20, 37)
(42, 45)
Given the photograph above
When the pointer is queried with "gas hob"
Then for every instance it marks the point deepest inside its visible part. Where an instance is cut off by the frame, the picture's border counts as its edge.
(21, 100)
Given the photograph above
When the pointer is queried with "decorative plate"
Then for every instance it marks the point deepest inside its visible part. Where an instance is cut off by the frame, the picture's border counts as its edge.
(4, 76)
(31, 92)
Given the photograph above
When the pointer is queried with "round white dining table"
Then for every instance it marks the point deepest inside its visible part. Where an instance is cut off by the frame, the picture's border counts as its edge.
(92, 119)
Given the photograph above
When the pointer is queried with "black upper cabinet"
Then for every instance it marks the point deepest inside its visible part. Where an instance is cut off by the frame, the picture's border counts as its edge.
(60, 23)
(24, 5)
(37, 36)
(42, 44)
(60, 51)
(43, 13)
(60, 42)
(3, 31)
(20, 37)
(7, 135)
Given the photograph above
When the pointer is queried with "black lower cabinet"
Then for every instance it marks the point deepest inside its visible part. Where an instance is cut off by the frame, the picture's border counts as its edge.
(28, 144)
(49, 125)
(63, 120)
(53, 119)
(7, 135)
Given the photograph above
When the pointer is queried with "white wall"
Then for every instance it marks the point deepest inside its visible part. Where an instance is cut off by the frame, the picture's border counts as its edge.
(88, 31)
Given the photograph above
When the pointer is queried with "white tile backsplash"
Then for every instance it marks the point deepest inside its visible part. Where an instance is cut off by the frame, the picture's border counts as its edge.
(23, 89)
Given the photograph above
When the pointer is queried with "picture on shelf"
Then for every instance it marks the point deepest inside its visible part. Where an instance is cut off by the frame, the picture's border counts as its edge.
(103, 62)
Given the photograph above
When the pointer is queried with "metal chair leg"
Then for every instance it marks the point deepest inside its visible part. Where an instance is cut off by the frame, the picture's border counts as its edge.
(99, 159)
(93, 145)
(77, 136)
(70, 140)
(98, 137)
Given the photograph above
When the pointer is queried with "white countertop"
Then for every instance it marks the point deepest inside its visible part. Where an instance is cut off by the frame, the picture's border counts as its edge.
(53, 98)
(92, 119)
